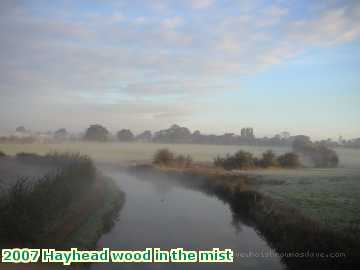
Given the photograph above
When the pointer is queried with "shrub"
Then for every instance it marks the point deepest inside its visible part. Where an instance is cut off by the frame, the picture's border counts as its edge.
(183, 161)
(289, 160)
(28, 209)
(268, 159)
(324, 157)
(319, 154)
(164, 157)
(167, 158)
(240, 160)
(2, 154)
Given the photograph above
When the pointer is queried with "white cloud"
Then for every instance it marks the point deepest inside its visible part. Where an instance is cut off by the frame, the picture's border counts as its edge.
(200, 4)
(173, 22)
(148, 56)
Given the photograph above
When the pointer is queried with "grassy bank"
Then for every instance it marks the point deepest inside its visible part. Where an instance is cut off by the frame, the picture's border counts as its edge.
(47, 212)
(285, 228)
(334, 200)
(99, 221)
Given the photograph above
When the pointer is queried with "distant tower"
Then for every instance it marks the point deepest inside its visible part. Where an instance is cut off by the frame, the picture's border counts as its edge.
(247, 132)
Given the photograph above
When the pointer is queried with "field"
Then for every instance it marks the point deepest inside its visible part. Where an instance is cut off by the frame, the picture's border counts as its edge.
(132, 152)
(331, 195)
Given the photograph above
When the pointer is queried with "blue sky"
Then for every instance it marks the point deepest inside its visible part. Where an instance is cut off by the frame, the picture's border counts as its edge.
(211, 65)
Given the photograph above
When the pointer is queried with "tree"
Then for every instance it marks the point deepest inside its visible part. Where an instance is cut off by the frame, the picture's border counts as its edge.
(96, 133)
(302, 143)
(61, 134)
(125, 135)
(319, 154)
(21, 129)
(175, 134)
(146, 136)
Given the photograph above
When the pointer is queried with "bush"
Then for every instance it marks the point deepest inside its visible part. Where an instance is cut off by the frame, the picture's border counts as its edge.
(240, 160)
(319, 154)
(164, 157)
(183, 161)
(167, 158)
(28, 209)
(324, 157)
(268, 159)
(2, 154)
(289, 160)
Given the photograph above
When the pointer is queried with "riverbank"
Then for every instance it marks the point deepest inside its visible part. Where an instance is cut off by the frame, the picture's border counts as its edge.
(287, 229)
(70, 206)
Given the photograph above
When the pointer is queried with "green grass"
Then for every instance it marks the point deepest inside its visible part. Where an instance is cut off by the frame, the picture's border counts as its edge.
(332, 199)
(100, 221)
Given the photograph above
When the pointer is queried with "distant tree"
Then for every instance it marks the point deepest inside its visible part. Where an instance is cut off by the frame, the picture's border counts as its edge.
(301, 143)
(318, 153)
(146, 136)
(61, 134)
(174, 134)
(96, 133)
(21, 129)
(285, 135)
(125, 135)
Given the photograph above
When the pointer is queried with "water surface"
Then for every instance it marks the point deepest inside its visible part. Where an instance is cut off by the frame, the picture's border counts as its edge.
(160, 215)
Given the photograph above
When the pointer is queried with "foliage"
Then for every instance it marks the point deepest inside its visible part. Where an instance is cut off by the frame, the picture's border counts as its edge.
(21, 129)
(146, 136)
(165, 157)
(125, 135)
(289, 160)
(319, 154)
(28, 208)
(61, 134)
(183, 160)
(240, 160)
(268, 159)
(2, 154)
(96, 133)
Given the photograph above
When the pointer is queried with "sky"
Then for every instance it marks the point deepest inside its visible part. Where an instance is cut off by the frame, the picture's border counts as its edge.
(216, 66)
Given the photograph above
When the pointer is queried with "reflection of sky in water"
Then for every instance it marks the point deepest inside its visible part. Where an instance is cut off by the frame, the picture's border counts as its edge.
(165, 216)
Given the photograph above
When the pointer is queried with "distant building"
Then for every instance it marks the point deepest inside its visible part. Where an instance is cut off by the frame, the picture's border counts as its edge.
(247, 132)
